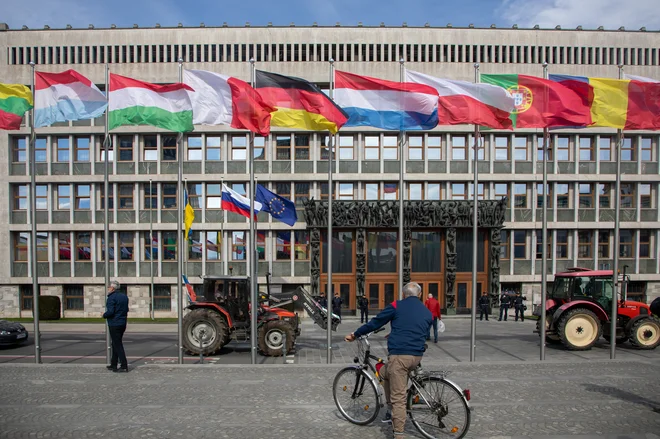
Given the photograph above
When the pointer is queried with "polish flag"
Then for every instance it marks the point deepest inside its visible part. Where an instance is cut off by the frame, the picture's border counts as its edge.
(224, 100)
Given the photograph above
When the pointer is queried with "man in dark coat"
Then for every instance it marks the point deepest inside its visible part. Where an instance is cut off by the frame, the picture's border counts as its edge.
(519, 304)
(363, 305)
(116, 311)
(484, 302)
(505, 302)
(323, 301)
(336, 305)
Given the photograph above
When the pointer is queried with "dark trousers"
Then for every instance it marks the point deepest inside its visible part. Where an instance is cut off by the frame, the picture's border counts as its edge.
(483, 310)
(504, 309)
(364, 315)
(520, 309)
(116, 335)
(434, 327)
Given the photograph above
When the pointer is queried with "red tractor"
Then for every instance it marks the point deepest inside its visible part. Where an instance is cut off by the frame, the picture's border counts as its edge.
(578, 311)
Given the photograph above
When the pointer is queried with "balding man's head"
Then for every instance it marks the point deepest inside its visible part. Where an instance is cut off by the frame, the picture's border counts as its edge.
(412, 289)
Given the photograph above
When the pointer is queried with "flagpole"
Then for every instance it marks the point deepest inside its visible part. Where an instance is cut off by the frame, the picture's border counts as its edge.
(187, 239)
(33, 237)
(544, 231)
(219, 242)
(329, 295)
(179, 227)
(475, 233)
(253, 247)
(106, 209)
(402, 191)
(151, 248)
(617, 240)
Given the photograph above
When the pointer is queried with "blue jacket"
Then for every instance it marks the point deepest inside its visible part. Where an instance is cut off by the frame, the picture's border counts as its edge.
(116, 309)
(410, 321)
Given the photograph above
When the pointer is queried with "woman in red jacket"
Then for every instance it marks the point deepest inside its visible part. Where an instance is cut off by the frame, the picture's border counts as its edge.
(433, 306)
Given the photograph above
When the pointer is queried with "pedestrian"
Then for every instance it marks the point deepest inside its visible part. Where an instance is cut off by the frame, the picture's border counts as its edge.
(336, 305)
(505, 302)
(519, 305)
(323, 301)
(483, 305)
(363, 305)
(655, 307)
(433, 306)
(410, 323)
(116, 310)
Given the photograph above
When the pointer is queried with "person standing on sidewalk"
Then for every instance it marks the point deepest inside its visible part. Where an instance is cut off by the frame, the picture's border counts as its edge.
(484, 302)
(116, 310)
(363, 304)
(433, 306)
(336, 305)
(519, 304)
(505, 302)
(410, 322)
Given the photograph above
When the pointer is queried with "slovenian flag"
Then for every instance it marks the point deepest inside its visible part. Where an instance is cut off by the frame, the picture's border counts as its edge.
(385, 104)
(232, 201)
(60, 97)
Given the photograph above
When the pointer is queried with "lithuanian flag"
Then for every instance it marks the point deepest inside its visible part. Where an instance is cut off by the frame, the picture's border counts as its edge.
(15, 100)
(300, 104)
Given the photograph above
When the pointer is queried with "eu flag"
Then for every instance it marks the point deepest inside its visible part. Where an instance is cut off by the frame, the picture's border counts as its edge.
(279, 208)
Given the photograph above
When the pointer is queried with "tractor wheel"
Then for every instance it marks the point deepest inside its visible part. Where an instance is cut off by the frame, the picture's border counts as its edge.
(579, 329)
(549, 338)
(207, 325)
(645, 333)
(271, 338)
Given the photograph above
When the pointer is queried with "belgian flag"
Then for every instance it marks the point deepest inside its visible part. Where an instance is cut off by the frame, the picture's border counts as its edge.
(300, 104)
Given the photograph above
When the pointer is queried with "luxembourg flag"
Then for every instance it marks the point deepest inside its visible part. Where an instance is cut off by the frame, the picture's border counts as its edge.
(237, 203)
(388, 105)
(60, 97)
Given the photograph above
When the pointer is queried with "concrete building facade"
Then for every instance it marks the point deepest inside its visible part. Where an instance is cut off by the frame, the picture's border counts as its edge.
(143, 173)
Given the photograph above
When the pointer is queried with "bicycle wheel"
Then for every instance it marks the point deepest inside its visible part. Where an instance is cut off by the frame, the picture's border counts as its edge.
(356, 396)
(438, 409)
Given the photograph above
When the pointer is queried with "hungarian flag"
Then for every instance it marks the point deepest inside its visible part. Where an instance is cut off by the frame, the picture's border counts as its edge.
(133, 102)
(15, 100)
(299, 103)
(542, 103)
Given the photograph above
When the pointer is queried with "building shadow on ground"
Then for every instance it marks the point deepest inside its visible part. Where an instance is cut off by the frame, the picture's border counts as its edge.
(624, 396)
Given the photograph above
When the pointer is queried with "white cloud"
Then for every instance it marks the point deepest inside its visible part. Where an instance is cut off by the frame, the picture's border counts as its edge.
(611, 14)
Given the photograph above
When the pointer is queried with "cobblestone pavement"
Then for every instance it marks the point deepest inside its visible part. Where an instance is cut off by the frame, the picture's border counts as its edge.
(584, 399)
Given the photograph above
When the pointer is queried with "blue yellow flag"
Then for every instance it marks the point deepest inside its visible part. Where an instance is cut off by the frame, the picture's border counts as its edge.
(188, 216)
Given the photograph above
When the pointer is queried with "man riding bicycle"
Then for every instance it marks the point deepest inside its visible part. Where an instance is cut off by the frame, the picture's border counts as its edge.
(410, 323)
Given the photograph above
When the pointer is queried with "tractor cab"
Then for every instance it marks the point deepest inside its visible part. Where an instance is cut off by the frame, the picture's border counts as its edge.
(583, 284)
(231, 293)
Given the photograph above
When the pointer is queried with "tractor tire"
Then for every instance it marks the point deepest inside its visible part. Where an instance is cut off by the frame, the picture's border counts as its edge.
(271, 338)
(645, 333)
(204, 321)
(549, 338)
(579, 329)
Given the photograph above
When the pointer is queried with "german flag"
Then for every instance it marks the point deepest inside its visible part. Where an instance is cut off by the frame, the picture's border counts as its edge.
(300, 104)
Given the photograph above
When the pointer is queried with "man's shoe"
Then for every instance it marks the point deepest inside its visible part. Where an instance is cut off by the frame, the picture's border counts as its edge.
(388, 418)
(121, 369)
(435, 341)
(111, 368)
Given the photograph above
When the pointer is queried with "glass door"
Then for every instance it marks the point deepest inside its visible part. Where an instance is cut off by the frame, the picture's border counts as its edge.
(381, 294)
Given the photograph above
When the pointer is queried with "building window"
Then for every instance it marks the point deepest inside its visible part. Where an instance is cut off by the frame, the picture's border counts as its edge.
(168, 148)
(504, 244)
(433, 191)
(170, 251)
(603, 244)
(126, 196)
(539, 245)
(586, 149)
(194, 244)
(645, 243)
(21, 197)
(283, 246)
(627, 195)
(604, 190)
(40, 149)
(563, 200)
(585, 244)
(646, 149)
(21, 246)
(390, 147)
(520, 148)
(127, 245)
(434, 147)
(162, 298)
(63, 149)
(259, 148)
(83, 192)
(562, 244)
(26, 297)
(501, 148)
(501, 191)
(519, 244)
(645, 199)
(480, 191)
(605, 149)
(83, 246)
(302, 245)
(391, 191)
(125, 148)
(628, 150)
(81, 149)
(213, 246)
(169, 196)
(301, 193)
(283, 147)
(540, 142)
(19, 150)
(239, 148)
(150, 148)
(458, 191)
(458, 148)
(586, 195)
(63, 197)
(195, 148)
(111, 246)
(415, 191)
(346, 191)
(563, 151)
(238, 246)
(626, 244)
(346, 147)
(261, 244)
(150, 196)
(324, 148)
(64, 246)
(415, 148)
(213, 196)
(636, 291)
(74, 297)
(520, 195)
(481, 150)
(213, 148)
(371, 147)
(194, 191)
(301, 146)
(42, 197)
(371, 191)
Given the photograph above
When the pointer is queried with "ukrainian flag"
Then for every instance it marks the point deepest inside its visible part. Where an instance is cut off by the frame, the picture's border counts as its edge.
(188, 216)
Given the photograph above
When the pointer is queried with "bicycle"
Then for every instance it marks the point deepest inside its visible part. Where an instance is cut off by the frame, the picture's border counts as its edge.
(436, 406)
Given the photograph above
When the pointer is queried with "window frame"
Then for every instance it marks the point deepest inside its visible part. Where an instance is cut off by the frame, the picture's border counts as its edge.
(283, 255)
(63, 245)
(68, 298)
(519, 244)
(459, 148)
(499, 148)
(168, 196)
(343, 193)
(80, 197)
(588, 197)
(390, 195)
(630, 244)
(517, 148)
(301, 197)
(562, 249)
(418, 185)
(565, 201)
(417, 148)
(561, 149)
(125, 151)
(21, 199)
(505, 245)
(645, 199)
(604, 193)
(645, 238)
(605, 149)
(162, 295)
(210, 146)
(462, 195)
(646, 148)
(195, 149)
(18, 151)
(150, 148)
(432, 146)
(589, 149)
(539, 149)
(21, 245)
(305, 246)
(80, 244)
(344, 147)
(168, 148)
(60, 150)
(283, 149)
(123, 197)
(302, 149)
(518, 196)
(627, 197)
(236, 256)
(77, 150)
(61, 197)
(628, 147)
(371, 148)
(390, 145)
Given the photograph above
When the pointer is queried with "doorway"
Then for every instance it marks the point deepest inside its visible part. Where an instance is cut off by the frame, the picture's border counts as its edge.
(381, 293)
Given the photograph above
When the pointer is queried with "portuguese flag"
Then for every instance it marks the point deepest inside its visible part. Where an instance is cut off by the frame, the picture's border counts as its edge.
(133, 102)
(15, 100)
(541, 103)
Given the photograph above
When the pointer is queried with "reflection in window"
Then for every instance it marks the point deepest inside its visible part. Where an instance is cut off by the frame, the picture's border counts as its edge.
(426, 252)
(390, 191)
(381, 252)
(342, 252)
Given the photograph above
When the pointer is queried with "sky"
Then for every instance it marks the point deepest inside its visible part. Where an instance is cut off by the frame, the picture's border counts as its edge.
(590, 14)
